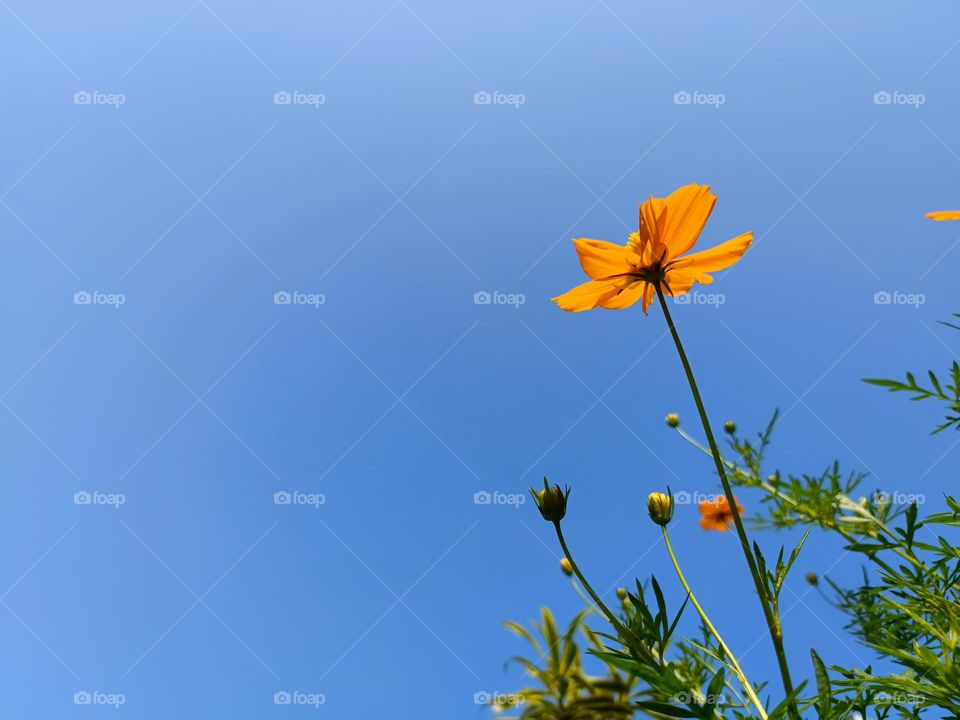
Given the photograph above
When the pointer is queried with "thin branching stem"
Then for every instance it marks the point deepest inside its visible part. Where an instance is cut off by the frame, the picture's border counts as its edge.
(734, 665)
(583, 581)
(773, 492)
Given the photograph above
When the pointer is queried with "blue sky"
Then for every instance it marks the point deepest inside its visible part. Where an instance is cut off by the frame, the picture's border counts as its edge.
(181, 164)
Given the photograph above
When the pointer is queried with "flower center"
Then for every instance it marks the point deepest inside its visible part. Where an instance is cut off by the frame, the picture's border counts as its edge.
(652, 273)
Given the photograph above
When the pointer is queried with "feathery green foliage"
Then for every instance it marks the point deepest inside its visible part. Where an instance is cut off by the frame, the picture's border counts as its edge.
(905, 611)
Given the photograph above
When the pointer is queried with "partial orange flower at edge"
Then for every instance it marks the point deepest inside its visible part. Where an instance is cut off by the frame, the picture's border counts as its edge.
(940, 215)
(716, 514)
(620, 275)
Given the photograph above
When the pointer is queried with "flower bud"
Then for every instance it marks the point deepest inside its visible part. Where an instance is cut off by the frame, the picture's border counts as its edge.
(622, 593)
(566, 567)
(813, 579)
(551, 501)
(673, 420)
(660, 507)
(730, 427)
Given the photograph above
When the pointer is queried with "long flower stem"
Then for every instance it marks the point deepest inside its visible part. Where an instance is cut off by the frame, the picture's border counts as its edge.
(773, 622)
(583, 581)
(747, 686)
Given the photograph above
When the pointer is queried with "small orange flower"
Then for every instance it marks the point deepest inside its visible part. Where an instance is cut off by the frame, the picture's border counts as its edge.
(716, 514)
(620, 275)
(944, 215)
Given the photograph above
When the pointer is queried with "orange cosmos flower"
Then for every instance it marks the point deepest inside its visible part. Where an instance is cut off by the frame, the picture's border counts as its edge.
(716, 514)
(620, 275)
(944, 215)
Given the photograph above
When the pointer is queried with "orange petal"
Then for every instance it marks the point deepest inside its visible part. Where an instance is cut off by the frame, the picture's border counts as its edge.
(944, 215)
(600, 259)
(649, 292)
(718, 522)
(708, 506)
(717, 258)
(687, 211)
(710, 518)
(626, 297)
(650, 213)
(592, 294)
(679, 282)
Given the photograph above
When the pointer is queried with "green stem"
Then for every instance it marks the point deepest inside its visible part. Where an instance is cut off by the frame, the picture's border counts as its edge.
(734, 665)
(583, 581)
(773, 622)
(587, 600)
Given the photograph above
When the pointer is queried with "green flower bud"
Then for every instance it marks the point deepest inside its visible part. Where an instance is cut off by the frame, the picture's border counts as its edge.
(730, 427)
(566, 567)
(622, 593)
(551, 501)
(673, 420)
(660, 507)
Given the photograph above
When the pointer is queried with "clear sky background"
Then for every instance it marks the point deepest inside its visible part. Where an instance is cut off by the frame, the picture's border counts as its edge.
(183, 189)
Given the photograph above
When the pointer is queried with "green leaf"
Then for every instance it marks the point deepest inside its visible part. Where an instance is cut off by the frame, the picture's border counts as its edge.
(661, 619)
(666, 709)
(715, 687)
(823, 684)
(673, 625)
